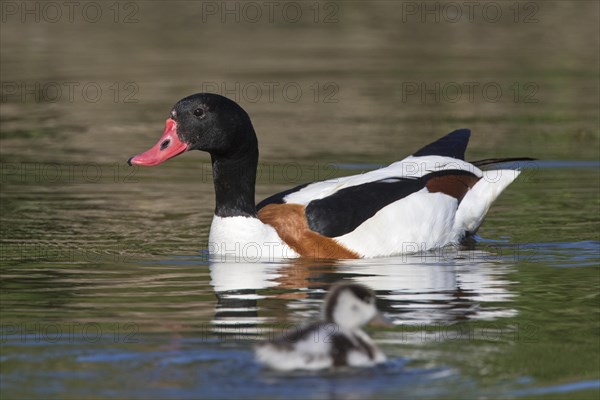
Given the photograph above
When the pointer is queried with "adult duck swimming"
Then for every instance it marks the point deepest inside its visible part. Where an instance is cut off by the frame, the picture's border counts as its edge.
(429, 199)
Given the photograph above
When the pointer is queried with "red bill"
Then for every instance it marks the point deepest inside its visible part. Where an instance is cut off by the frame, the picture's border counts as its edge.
(168, 146)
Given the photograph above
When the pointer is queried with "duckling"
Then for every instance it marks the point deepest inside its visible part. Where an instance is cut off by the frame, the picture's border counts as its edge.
(336, 340)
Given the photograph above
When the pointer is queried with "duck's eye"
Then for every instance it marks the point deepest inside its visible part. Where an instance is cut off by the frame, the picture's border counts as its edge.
(198, 112)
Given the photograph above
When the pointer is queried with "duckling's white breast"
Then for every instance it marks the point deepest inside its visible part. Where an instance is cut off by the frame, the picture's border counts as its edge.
(314, 350)
(311, 352)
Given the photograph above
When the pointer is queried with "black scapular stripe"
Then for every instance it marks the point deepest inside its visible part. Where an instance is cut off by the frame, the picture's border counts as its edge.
(452, 145)
(278, 198)
(345, 210)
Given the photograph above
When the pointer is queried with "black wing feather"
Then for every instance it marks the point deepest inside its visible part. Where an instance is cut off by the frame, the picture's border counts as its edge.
(491, 163)
(346, 209)
(452, 145)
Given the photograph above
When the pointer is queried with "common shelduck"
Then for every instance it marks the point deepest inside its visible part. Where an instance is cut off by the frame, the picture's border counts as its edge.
(430, 199)
(336, 340)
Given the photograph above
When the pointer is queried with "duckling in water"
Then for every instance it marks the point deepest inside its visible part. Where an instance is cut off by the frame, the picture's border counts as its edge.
(335, 341)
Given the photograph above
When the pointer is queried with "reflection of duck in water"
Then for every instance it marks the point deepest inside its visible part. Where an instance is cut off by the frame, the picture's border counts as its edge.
(335, 341)
(239, 289)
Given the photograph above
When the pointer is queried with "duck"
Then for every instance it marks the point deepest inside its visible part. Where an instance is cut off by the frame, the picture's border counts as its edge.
(430, 199)
(336, 340)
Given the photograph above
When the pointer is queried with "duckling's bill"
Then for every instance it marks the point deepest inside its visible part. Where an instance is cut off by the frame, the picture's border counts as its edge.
(381, 321)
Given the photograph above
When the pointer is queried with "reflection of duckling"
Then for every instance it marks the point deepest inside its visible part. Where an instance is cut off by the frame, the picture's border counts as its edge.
(334, 341)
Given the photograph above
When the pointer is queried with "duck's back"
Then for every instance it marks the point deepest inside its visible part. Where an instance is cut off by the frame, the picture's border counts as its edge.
(428, 200)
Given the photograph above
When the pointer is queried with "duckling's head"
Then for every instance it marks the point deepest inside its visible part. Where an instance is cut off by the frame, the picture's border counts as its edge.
(349, 305)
